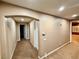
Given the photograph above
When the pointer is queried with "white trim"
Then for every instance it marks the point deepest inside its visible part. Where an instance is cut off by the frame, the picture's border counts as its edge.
(70, 31)
(53, 51)
(39, 57)
(13, 51)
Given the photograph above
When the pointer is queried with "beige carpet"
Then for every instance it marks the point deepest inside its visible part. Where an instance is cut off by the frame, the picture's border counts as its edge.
(70, 51)
(24, 50)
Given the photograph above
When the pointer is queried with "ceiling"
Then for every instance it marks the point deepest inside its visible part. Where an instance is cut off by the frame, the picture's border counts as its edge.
(71, 7)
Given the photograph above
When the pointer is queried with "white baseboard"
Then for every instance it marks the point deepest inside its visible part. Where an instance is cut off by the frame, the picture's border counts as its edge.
(13, 51)
(53, 51)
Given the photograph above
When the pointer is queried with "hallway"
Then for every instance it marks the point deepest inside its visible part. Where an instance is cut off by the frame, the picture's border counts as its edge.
(24, 50)
(70, 51)
(33, 29)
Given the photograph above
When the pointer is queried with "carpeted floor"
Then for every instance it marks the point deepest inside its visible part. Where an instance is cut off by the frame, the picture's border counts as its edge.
(24, 50)
(70, 51)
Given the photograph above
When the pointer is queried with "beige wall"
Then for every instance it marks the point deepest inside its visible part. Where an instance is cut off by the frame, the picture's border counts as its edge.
(3, 40)
(10, 36)
(0, 51)
(57, 33)
(27, 31)
(18, 31)
(0, 48)
(32, 32)
(57, 30)
(10, 10)
(0, 37)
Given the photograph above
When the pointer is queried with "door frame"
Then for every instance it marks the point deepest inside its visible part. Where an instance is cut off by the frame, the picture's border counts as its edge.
(36, 28)
(70, 31)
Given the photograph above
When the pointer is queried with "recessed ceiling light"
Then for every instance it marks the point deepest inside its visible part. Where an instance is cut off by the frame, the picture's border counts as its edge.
(22, 19)
(74, 15)
(61, 8)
